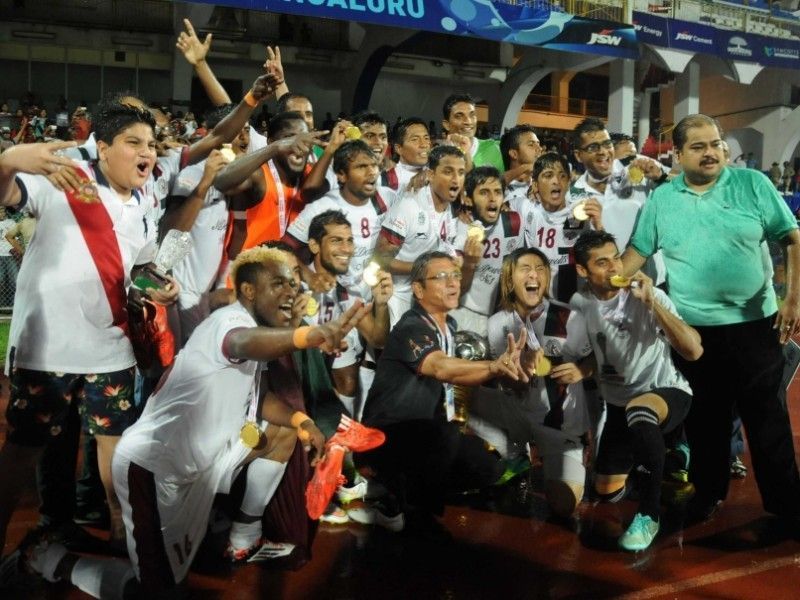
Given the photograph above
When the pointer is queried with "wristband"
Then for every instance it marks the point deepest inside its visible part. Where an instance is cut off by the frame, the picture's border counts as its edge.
(300, 337)
(298, 418)
(250, 100)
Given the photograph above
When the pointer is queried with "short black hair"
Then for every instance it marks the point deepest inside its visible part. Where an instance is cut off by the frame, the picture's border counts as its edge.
(316, 230)
(112, 117)
(588, 241)
(687, 123)
(588, 125)
(510, 141)
(281, 122)
(345, 154)
(438, 153)
(214, 115)
(480, 175)
(546, 161)
(284, 100)
(419, 269)
(370, 117)
(278, 245)
(400, 130)
(454, 99)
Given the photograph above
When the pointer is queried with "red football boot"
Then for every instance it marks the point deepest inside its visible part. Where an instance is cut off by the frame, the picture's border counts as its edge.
(356, 437)
(327, 477)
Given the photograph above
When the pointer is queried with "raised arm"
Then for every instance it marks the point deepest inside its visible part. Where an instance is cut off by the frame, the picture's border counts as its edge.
(195, 51)
(183, 213)
(316, 184)
(36, 159)
(375, 324)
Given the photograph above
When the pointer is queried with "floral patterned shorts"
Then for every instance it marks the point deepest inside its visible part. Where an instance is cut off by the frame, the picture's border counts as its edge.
(40, 402)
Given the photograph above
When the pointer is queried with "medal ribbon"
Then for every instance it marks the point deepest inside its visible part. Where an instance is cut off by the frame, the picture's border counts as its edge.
(282, 218)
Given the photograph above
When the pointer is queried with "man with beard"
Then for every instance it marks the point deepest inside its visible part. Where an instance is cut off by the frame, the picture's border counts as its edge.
(267, 183)
(554, 226)
(460, 119)
(332, 245)
(621, 190)
(420, 222)
(68, 341)
(197, 431)
(491, 236)
(710, 224)
(363, 201)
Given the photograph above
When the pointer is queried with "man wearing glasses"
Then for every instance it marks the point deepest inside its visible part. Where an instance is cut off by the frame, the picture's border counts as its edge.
(425, 455)
(621, 190)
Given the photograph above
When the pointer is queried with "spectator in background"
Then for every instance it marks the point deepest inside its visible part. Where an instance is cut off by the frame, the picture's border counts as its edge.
(19, 236)
(787, 176)
(775, 174)
(5, 139)
(9, 267)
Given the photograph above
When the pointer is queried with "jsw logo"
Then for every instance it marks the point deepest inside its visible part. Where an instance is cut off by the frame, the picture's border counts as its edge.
(684, 36)
(605, 39)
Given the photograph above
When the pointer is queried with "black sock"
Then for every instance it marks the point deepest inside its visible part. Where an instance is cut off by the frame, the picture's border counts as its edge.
(648, 451)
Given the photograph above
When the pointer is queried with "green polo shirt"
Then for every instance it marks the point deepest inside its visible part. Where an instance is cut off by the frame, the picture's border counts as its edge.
(712, 245)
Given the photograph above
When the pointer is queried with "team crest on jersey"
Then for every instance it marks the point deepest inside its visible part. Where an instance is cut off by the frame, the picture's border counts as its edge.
(421, 219)
(87, 193)
(162, 186)
(552, 348)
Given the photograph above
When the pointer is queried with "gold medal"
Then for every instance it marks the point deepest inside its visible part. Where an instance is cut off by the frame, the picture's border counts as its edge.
(250, 434)
(635, 175)
(579, 211)
(619, 281)
(352, 133)
(371, 274)
(311, 307)
(543, 366)
(476, 231)
(228, 152)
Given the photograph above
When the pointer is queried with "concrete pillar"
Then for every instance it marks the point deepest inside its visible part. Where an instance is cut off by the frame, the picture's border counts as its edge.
(687, 92)
(644, 117)
(559, 90)
(620, 96)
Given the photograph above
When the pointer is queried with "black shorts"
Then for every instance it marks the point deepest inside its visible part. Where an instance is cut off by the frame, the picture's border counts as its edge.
(615, 455)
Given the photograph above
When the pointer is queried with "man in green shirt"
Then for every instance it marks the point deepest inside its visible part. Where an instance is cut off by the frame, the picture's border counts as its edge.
(710, 223)
(460, 118)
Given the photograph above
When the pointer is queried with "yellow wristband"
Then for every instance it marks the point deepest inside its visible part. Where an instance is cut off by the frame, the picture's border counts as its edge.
(299, 418)
(300, 337)
(250, 100)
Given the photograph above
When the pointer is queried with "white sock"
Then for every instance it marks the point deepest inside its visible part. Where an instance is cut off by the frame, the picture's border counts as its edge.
(263, 478)
(102, 577)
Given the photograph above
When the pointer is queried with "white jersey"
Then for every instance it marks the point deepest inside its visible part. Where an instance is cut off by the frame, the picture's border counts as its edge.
(197, 413)
(633, 355)
(405, 173)
(517, 194)
(621, 201)
(414, 224)
(161, 180)
(85, 152)
(501, 239)
(257, 141)
(365, 220)
(63, 319)
(558, 406)
(555, 233)
(198, 272)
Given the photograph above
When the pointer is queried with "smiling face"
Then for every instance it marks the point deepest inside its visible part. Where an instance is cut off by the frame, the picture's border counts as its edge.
(551, 187)
(596, 153)
(702, 156)
(531, 279)
(487, 198)
(334, 252)
(439, 294)
(128, 161)
(462, 119)
(447, 179)
(360, 181)
(273, 295)
(415, 146)
(293, 163)
(376, 137)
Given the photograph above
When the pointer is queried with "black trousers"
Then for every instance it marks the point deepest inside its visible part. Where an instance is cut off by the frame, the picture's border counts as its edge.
(741, 368)
(422, 460)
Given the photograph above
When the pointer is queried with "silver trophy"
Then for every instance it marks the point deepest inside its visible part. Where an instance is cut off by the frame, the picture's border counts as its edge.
(175, 246)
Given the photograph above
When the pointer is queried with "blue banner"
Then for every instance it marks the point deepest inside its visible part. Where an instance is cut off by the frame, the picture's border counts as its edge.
(500, 21)
(729, 45)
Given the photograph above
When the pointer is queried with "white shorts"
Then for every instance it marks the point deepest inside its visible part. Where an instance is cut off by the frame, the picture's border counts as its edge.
(561, 454)
(353, 353)
(398, 306)
(183, 510)
(469, 320)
